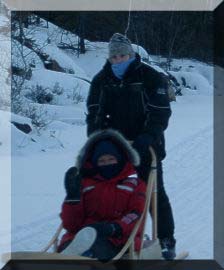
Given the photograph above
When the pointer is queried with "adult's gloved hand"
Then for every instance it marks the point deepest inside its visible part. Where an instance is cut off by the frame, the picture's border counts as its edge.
(142, 143)
(107, 229)
(72, 182)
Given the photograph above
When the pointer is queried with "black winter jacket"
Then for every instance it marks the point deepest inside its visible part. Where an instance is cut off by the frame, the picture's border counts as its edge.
(135, 105)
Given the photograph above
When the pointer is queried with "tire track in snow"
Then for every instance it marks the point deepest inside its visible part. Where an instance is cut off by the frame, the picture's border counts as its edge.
(189, 184)
(34, 235)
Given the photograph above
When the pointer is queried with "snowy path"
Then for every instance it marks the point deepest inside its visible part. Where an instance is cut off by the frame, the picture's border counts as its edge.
(188, 172)
(37, 182)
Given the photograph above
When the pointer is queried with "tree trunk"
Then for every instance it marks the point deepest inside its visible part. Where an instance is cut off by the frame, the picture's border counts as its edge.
(82, 45)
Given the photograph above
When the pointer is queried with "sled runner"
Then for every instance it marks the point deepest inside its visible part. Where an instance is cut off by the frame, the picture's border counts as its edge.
(151, 251)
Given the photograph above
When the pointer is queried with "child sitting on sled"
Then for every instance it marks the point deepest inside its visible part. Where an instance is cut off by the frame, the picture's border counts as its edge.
(105, 198)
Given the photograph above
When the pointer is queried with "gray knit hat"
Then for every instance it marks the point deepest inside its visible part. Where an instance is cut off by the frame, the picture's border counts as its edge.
(119, 44)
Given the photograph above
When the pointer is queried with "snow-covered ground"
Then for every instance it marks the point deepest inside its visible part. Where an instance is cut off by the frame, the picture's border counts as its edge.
(37, 182)
(40, 158)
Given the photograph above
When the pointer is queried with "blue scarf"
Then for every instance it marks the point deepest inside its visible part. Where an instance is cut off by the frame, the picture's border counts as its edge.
(120, 68)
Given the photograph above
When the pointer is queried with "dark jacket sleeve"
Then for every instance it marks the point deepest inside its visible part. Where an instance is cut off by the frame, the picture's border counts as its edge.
(158, 109)
(93, 105)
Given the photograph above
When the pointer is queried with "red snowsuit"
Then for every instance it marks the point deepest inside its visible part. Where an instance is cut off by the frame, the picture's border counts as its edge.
(120, 199)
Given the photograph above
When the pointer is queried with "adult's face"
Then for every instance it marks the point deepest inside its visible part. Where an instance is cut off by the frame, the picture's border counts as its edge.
(116, 59)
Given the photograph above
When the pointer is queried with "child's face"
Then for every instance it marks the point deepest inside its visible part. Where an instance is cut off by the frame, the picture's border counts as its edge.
(106, 160)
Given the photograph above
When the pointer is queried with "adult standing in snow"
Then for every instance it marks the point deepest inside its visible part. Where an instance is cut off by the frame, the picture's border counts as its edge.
(109, 201)
(131, 97)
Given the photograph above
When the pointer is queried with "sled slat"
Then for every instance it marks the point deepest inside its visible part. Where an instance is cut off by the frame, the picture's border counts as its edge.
(181, 256)
(29, 255)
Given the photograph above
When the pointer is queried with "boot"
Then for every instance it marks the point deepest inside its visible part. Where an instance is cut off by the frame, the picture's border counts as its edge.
(168, 248)
(82, 242)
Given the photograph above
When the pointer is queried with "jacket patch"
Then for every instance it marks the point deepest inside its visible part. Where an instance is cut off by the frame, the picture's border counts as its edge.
(93, 105)
(123, 187)
(131, 180)
(88, 188)
(129, 218)
(133, 175)
(159, 107)
(161, 91)
(136, 84)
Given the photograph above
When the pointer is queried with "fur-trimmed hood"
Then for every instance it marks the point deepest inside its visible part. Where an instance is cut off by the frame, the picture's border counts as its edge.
(116, 138)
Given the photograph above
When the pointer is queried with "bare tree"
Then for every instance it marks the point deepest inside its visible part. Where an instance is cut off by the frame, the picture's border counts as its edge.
(81, 34)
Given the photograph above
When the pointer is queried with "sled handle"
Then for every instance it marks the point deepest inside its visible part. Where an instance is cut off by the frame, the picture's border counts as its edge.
(154, 195)
(54, 239)
(151, 184)
(151, 194)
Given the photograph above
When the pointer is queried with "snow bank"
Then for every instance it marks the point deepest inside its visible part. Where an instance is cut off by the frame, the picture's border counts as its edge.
(195, 77)
(142, 52)
(63, 60)
(71, 88)
(194, 66)
(94, 58)
(23, 57)
(49, 33)
(193, 82)
(55, 136)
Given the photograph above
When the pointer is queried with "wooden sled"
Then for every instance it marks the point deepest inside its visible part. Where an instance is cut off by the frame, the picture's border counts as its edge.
(151, 252)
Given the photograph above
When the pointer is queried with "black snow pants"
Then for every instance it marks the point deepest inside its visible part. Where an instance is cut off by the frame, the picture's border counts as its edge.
(165, 215)
(103, 249)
